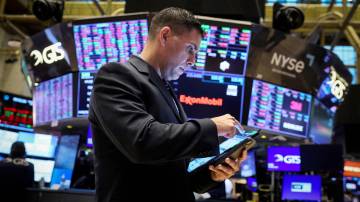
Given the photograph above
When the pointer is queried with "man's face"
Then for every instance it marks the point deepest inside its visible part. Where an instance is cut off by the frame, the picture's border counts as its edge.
(180, 52)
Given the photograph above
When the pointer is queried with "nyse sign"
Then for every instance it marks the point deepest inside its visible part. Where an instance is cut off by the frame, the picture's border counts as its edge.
(49, 55)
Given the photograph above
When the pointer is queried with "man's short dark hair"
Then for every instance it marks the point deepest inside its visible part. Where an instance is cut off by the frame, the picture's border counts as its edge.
(178, 19)
(18, 150)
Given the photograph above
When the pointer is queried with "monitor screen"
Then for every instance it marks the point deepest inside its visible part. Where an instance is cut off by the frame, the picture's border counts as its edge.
(322, 121)
(15, 112)
(85, 85)
(251, 184)
(40, 145)
(329, 93)
(278, 109)
(352, 168)
(53, 100)
(301, 187)
(89, 140)
(114, 40)
(42, 168)
(352, 184)
(347, 54)
(6, 140)
(224, 49)
(37, 145)
(225, 96)
(65, 161)
(248, 167)
(283, 159)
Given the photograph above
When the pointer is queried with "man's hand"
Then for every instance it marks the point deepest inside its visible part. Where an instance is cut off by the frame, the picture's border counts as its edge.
(226, 125)
(226, 170)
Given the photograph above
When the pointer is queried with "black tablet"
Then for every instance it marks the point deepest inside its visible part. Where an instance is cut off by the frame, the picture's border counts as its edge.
(229, 148)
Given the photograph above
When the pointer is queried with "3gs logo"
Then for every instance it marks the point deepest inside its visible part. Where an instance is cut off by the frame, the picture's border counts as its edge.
(49, 55)
(288, 159)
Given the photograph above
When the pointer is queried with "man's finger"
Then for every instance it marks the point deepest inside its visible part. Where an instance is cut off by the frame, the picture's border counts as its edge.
(243, 156)
(220, 174)
(233, 164)
(227, 170)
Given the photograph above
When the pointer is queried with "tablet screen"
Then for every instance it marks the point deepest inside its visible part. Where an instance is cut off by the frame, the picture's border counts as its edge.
(195, 163)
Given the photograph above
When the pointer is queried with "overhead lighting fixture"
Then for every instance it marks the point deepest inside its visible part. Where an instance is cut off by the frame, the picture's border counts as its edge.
(48, 9)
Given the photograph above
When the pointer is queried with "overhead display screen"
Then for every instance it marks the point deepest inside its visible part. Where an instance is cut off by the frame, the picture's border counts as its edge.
(115, 40)
(15, 112)
(278, 109)
(53, 99)
(225, 48)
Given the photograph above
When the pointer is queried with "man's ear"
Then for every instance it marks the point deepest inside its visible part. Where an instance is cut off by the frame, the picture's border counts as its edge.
(164, 34)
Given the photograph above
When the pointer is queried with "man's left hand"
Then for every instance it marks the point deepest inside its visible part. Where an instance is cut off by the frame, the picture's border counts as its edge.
(227, 169)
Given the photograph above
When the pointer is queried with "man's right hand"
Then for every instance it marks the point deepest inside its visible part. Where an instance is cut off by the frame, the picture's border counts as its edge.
(226, 125)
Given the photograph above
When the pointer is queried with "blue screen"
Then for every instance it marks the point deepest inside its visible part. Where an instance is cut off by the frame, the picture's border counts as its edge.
(36, 144)
(347, 54)
(248, 167)
(352, 184)
(65, 161)
(6, 140)
(279, 109)
(301, 187)
(89, 139)
(42, 169)
(283, 158)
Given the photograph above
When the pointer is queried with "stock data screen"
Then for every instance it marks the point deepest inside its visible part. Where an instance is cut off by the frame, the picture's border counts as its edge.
(53, 99)
(100, 43)
(85, 85)
(204, 96)
(279, 109)
(224, 49)
(15, 112)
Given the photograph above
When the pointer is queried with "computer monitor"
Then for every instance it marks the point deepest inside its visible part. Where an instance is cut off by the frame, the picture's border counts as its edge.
(301, 187)
(7, 138)
(352, 184)
(42, 169)
(281, 158)
(65, 161)
(225, 48)
(85, 86)
(279, 109)
(205, 96)
(39, 145)
(251, 184)
(248, 167)
(15, 112)
(53, 100)
(114, 39)
(352, 168)
(100, 41)
(322, 122)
